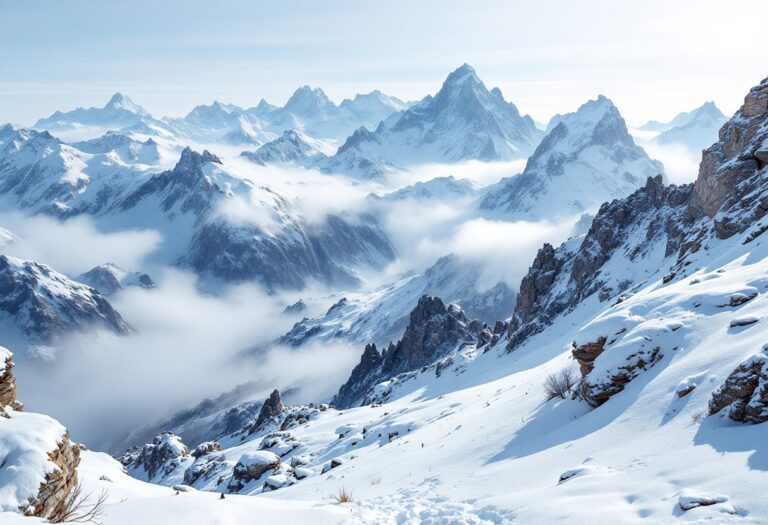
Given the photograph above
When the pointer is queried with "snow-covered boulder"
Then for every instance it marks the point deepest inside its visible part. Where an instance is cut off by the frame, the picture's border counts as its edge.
(251, 466)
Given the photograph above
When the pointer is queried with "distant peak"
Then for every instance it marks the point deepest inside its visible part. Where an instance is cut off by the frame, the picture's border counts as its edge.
(117, 98)
(120, 101)
(189, 157)
(307, 99)
(464, 69)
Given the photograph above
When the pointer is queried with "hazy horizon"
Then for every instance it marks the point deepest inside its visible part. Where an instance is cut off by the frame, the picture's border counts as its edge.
(164, 59)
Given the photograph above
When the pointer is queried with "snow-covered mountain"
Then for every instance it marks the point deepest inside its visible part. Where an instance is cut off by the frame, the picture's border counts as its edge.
(586, 159)
(380, 316)
(222, 123)
(45, 175)
(38, 304)
(293, 146)
(120, 112)
(311, 111)
(695, 129)
(437, 189)
(463, 121)
(650, 323)
(109, 278)
(189, 204)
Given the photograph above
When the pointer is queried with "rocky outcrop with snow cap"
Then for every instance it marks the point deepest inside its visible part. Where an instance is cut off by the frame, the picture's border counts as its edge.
(560, 279)
(586, 159)
(434, 330)
(38, 462)
(43, 303)
(744, 393)
(270, 411)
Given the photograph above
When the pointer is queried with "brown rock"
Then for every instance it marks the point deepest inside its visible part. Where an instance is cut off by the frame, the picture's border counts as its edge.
(586, 354)
(55, 491)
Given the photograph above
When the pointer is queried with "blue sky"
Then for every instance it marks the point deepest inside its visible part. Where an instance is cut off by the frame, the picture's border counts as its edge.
(652, 58)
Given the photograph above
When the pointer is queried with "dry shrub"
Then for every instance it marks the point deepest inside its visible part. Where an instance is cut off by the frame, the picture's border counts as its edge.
(559, 385)
(80, 508)
(343, 495)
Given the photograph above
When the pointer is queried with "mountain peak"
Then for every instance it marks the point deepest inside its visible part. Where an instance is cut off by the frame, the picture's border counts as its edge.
(306, 100)
(461, 75)
(190, 158)
(120, 101)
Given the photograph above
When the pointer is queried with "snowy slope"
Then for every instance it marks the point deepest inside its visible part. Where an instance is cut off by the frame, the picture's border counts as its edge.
(586, 159)
(463, 121)
(658, 312)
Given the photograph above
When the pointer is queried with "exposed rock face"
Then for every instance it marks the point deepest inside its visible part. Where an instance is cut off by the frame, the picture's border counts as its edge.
(361, 377)
(559, 279)
(26, 448)
(597, 388)
(7, 381)
(157, 458)
(51, 500)
(586, 354)
(44, 303)
(731, 170)
(745, 392)
(271, 410)
(433, 330)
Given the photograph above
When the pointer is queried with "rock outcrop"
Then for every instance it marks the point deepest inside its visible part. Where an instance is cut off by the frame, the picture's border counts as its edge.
(271, 410)
(653, 235)
(560, 279)
(38, 462)
(433, 330)
(156, 459)
(744, 394)
(52, 499)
